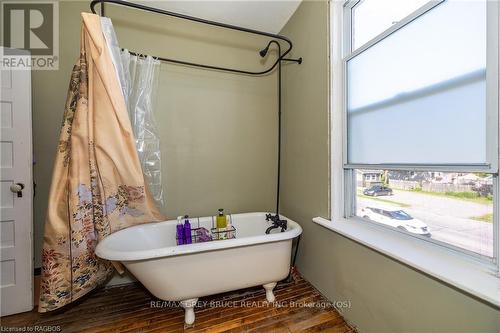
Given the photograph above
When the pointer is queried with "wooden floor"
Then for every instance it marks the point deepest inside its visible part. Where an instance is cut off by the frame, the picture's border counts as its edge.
(298, 308)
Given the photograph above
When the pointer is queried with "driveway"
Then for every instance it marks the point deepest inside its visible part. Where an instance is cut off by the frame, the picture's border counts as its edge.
(449, 219)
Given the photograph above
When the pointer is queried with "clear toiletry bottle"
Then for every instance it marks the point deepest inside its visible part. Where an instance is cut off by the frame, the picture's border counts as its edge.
(229, 228)
(221, 224)
(180, 231)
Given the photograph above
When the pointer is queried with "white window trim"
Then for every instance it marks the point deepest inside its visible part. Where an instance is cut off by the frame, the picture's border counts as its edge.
(472, 277)
(453, 267)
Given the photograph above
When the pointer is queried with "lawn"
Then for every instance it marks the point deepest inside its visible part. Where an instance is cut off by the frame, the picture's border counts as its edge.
(483, 218)
(392, 202)
(466, 196)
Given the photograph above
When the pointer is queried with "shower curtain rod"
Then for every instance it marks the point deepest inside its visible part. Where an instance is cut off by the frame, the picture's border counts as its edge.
(281, 57)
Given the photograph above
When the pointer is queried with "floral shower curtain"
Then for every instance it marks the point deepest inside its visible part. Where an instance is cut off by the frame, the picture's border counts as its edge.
(97, 186)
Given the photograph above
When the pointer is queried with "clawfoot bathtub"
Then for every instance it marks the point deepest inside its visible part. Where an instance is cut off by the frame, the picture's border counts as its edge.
(186, 272)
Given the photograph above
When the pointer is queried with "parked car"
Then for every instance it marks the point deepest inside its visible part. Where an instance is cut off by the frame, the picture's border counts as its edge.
(397, 219)
(377, 190)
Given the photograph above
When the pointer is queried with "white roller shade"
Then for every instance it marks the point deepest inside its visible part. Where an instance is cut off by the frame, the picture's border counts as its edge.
(418, 96)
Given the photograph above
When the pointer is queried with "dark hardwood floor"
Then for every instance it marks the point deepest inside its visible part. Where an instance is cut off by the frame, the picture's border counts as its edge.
(299, 307)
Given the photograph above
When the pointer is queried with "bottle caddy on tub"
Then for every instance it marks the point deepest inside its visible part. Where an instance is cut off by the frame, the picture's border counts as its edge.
(223, 230)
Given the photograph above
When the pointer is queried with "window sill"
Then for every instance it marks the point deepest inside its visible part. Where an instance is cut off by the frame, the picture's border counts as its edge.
(473, 277)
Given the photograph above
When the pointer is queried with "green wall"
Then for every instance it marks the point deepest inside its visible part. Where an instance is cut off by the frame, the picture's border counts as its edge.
(217, 130)
(385, 295)
(218, 145)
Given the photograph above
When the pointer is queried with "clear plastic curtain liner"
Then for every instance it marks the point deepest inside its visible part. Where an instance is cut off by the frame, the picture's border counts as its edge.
(115, 51)
(142, 94)
(138, 77)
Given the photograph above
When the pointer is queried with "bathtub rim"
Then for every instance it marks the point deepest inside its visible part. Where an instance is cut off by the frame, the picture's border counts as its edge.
(102, 251)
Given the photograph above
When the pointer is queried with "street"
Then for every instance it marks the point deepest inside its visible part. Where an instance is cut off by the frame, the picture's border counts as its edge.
(448, 219)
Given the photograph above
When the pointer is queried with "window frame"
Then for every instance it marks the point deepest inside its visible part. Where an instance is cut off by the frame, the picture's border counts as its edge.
(342, 177)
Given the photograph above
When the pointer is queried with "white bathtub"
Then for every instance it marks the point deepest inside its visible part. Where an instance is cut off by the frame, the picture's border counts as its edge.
(186, 272)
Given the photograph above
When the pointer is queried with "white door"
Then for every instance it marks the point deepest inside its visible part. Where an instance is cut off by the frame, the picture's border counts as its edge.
(16, 248)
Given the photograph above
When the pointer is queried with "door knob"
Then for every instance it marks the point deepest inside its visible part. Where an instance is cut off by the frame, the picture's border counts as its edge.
(17, 188)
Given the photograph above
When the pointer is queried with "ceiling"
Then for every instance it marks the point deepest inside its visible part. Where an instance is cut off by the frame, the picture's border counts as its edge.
(264, 15)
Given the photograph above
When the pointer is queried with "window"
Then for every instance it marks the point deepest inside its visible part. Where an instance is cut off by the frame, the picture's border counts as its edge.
(373, 17)
(455, 209)
(418, 100)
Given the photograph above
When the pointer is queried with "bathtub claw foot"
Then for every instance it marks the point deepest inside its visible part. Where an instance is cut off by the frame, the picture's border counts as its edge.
(188, 306)
(269, 291)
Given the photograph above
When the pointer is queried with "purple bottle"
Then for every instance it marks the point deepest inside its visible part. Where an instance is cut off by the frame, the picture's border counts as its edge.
(180, 232)
(187, 231)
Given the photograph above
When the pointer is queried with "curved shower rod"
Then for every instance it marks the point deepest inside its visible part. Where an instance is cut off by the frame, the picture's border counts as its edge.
(281, 57)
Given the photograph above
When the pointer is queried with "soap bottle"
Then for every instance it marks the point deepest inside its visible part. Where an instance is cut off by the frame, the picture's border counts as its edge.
(180, 231)
(221, 224)
(229, 229)
(187, 230)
